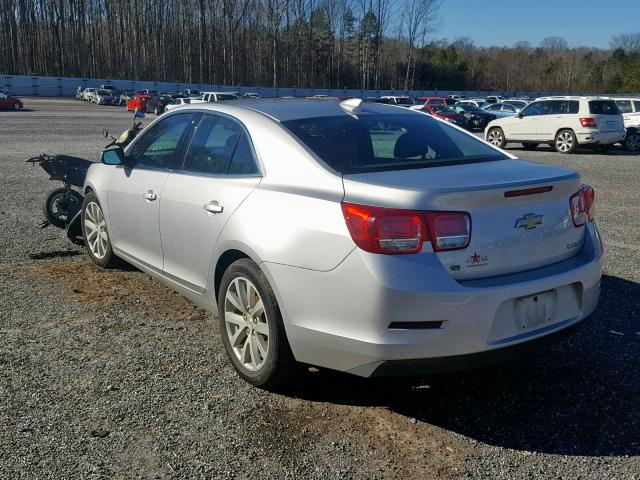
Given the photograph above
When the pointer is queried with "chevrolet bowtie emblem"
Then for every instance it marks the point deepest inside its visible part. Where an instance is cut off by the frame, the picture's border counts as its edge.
(529, 221)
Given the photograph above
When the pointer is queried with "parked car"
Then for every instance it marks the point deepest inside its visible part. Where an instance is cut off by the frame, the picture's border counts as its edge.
(495, 99)
(210, 97)
(158, 103)
(445, 113)
(5, 91)
(138, 103)
(519, 104)
(475, 102)
(87, 94)
(189, 92)
(321, 234)
(563, 122)
(115, 92)
(501, 110)
(251, 95)
(126, 96)
(102, 97)
(475, 117)
(401, 100)
(10, 102)
(178, 102)
(630, 109)
(432, 101)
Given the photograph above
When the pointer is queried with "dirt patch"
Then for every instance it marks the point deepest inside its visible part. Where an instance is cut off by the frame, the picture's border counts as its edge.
(100, 289)
(385, 444)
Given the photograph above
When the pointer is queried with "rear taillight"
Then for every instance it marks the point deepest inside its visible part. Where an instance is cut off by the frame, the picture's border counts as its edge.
(582, 204)
(394, 231)
(588, 122)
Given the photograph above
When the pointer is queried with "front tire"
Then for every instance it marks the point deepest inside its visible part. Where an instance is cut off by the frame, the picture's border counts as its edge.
(251, 326)
(95, 233)
(565, 142)
(495, 137)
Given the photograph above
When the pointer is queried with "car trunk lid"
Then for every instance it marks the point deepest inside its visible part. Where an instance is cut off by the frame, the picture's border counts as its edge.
(519, 210)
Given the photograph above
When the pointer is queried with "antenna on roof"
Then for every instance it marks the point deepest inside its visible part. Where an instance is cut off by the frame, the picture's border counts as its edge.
(352, 106)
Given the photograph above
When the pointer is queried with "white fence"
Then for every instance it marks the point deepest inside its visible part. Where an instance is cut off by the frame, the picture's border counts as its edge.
(23, 85)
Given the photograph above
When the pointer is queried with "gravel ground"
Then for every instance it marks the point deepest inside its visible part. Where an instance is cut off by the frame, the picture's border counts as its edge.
(111, 375)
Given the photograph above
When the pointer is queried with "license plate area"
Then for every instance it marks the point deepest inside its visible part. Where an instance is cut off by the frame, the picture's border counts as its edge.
(536, 310)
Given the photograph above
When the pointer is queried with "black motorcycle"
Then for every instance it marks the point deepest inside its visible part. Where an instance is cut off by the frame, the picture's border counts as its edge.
(62, 206)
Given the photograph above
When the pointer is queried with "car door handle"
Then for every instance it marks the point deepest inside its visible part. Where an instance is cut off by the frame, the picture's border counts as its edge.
(149, 195)
(213, 207)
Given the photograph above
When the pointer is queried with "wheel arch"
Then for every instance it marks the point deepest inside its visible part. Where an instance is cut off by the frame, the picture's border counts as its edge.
(223, 262)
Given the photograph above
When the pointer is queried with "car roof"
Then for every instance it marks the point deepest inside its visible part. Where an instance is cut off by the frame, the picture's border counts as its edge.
(283, 110)
(573, 97)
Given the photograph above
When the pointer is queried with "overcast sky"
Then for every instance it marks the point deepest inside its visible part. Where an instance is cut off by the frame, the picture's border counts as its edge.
(589, 23)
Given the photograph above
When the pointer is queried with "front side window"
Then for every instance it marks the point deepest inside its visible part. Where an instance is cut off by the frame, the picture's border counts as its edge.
(158, 145)
(385, 142)
(534, 109)
(636, 105)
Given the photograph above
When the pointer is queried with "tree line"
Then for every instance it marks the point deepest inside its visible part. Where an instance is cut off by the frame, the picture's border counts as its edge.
(361, 44)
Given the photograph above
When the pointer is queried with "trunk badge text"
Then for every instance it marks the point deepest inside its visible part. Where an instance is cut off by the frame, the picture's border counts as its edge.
(529, 221)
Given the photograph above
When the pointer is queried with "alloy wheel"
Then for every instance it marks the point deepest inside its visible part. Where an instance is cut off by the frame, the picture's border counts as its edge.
(247, 326)
(95, 226)
(564, 142)
(495, 138)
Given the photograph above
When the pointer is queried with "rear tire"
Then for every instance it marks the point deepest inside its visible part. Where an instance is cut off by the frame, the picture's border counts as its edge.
(253, 335)
(495, 136)
(565, 142)
(632, 141)
(95, 233)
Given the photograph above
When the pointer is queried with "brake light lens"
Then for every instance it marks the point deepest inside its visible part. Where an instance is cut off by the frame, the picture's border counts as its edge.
(582, 204)
(588, 122)
(395, 231)
(449, 230)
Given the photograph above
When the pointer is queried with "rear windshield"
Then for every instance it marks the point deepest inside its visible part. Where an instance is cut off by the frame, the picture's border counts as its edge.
(603, 107)
(384, 142)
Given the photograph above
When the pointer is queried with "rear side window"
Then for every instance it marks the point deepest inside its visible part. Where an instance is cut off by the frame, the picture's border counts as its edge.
(624, 106)
(603, 107)
(384, 142)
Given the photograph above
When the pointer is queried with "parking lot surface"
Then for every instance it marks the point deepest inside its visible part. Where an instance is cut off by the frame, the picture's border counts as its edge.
(108, 374)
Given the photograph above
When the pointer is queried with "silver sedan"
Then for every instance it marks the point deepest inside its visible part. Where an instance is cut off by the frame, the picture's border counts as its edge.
(359, 237)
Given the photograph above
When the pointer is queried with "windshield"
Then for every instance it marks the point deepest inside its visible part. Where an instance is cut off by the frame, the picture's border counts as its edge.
(226, 96)
(103, 92)
(405, 101)
(384, 142)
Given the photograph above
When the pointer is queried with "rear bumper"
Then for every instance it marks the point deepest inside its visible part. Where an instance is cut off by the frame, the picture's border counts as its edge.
(340, 319)
(600, 138)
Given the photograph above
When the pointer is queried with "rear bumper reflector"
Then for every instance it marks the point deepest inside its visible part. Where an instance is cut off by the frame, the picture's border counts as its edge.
(432, 324)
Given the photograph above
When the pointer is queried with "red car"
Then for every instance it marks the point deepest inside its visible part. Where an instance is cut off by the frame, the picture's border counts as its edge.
(431, 101)
(138, 102)
(10, 102)
(445, 113)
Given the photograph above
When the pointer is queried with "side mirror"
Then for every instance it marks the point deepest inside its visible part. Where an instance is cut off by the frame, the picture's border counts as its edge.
(519, 114)
(113, 156)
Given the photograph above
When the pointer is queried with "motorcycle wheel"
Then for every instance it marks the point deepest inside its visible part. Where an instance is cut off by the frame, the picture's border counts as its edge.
(56, 205)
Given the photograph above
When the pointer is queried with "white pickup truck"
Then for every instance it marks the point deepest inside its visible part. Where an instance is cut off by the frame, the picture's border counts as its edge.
(211, 97)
